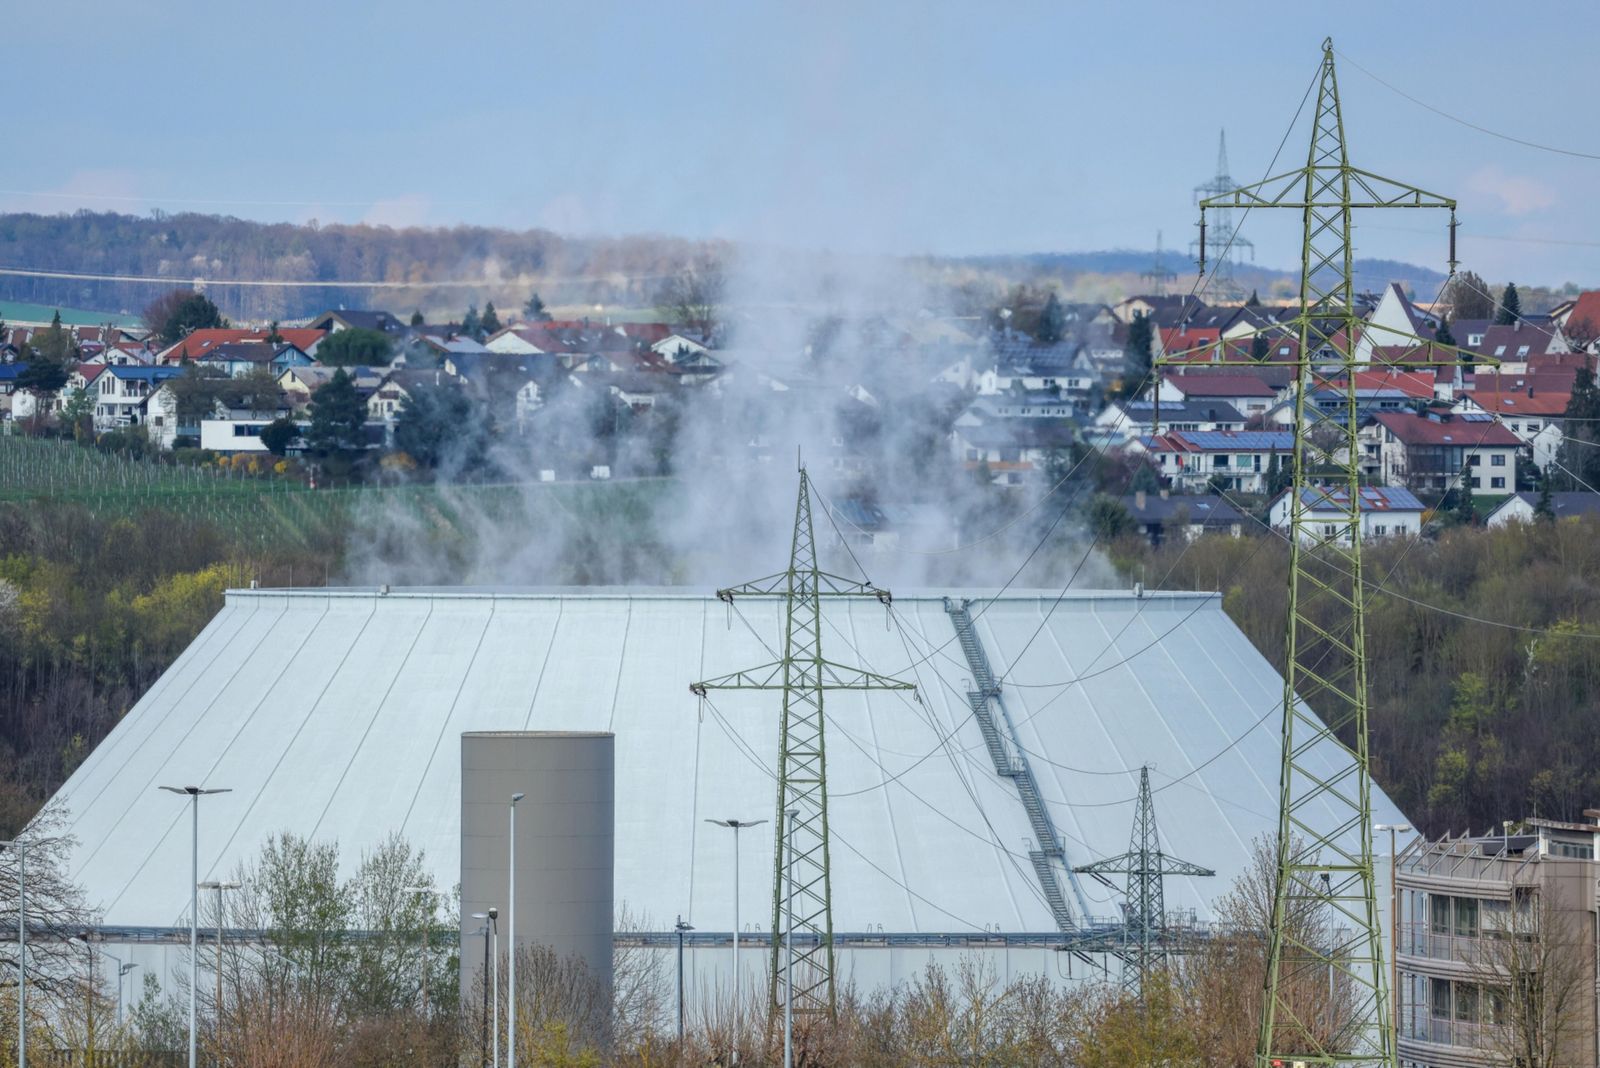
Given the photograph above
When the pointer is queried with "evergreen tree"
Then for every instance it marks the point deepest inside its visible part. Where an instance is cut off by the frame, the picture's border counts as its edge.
(1510, 306)
(416, 318)
(1145, 479)
(534, 311)
(55, 344)
(1254, 301)
(491, 321)
(471, 323)
(273, 337)
(1260, 347)
(279, 434)
(338, 416)
(1443, 335)
(1466, 514)
(1280, 476)
(1052, 320)
(1546, 508)
(1578, 460)
(1136, 357)
(356, 347)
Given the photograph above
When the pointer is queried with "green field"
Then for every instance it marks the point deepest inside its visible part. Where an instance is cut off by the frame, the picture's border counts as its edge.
(13, 311)
(279, 513)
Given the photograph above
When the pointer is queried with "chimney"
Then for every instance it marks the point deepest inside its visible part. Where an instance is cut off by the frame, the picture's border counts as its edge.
(1138, 500)
(1530, 391)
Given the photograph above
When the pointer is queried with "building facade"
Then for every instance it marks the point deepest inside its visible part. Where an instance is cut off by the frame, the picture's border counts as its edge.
(1495, 942)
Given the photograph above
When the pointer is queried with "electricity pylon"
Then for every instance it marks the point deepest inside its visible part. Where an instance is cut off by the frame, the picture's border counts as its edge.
(805, 911)
(1158, 274)
(1145, 943)
(1222, 244)
(1326, 998)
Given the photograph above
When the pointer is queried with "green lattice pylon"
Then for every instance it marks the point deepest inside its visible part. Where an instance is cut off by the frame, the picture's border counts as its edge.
(1326, 995)
(803, 675)
(1145, 944)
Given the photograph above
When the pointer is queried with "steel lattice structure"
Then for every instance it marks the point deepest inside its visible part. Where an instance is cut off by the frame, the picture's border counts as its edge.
(804, 675)
(1145, 942)
(1221, 244)
(1326, 995)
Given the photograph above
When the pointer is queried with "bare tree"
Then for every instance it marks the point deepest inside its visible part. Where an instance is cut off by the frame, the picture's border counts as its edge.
(693, 295)
(1469, 297)
(1532, 963)
(1581, 334)
(55, 912)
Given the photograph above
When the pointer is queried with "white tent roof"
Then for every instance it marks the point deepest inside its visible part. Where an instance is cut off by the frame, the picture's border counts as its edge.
(336, 714)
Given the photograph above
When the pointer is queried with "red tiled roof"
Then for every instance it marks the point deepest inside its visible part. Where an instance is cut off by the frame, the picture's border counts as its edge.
(1426, 354)
(1178, 339)
(1587, 306)
(202, 341)
(1417, 384)
(1413, 429)
(1549, 405)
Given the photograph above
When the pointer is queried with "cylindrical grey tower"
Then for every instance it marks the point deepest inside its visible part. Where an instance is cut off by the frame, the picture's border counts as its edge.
(565, 833)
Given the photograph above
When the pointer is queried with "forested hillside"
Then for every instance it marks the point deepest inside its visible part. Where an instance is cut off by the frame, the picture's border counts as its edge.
(565, 270)
(1484, 650)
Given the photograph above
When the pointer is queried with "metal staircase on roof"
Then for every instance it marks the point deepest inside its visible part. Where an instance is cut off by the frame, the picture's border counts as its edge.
(988, 708)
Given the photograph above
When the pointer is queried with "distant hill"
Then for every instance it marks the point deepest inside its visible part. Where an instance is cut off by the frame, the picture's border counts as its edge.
(427, 266)
(1370, 274)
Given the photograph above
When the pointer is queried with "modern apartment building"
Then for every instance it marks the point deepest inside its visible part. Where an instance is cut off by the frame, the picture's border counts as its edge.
(1496, 944)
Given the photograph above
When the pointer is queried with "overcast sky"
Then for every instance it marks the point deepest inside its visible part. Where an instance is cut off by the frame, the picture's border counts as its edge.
(877, 126)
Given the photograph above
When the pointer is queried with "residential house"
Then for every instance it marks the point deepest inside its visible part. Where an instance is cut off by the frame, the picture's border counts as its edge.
(1240, 460)
(239, 433)
(1385, 512)
(1018, 404)
(200, 342)
(299, 383)
(1523, 507)
(1517, 347)
(348, 319)
(1159, 516)
(1015, 450)
(9, 373)
(863, 524)
(1430, 452)
(1476, 909)
(1579, 321)
(1246, 393)
(1395, 322)
(239, 358)
(1531, 406)
(1122, 421)
(1166, 310)
(122, 392)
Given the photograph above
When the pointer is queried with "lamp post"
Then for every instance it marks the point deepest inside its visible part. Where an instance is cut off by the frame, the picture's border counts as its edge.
(123, 968)
(491, 964)
(219, 887)
(1394, 933)
(88, 996)
(20, 848)
(788, 939)
(425, 942)
(681, 927)
(511, 935)
(194, 794)
(736, 826)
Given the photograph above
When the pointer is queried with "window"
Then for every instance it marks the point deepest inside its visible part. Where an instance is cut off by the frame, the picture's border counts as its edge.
(1439, 913)
(1498, 482)
(1474, 339)
(1582, 851)
(1330, 529)
(1439, 998)
(1379, 530)
(1497, 460)
(1533, 426)
(1466, 916)
(1499, 350)
(1466, 1002)
(1219, 461)
(1474, 460)
(158, 420)
(1522, 350)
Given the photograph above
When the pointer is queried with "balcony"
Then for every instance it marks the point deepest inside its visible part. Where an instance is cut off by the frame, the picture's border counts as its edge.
(1419, 941)
(1447, 1042)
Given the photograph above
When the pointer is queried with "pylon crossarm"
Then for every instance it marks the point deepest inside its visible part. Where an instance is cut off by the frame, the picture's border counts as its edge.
(844, 677)
(1109, 866)
(828, 585)
(1174, 866)
(1279, 191)
(765, 677)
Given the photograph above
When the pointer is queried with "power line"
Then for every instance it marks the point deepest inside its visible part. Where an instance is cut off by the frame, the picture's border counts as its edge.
(1465, 122)
(302, 283)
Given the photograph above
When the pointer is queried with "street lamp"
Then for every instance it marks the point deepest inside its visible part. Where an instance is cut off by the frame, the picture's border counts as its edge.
(20, 848)
(219, 887)
(491, 964)
(1394, 932)
(736, 826)
(123, 968)
(88, 993)
(425, 940)
(681, 927)
(511, 936)
(194, 794)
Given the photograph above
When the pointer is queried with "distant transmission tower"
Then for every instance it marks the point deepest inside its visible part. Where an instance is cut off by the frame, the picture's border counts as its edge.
(803, 675)
(1158, 275)
(1145, 942)
(1326, 997)
(1220, 245)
